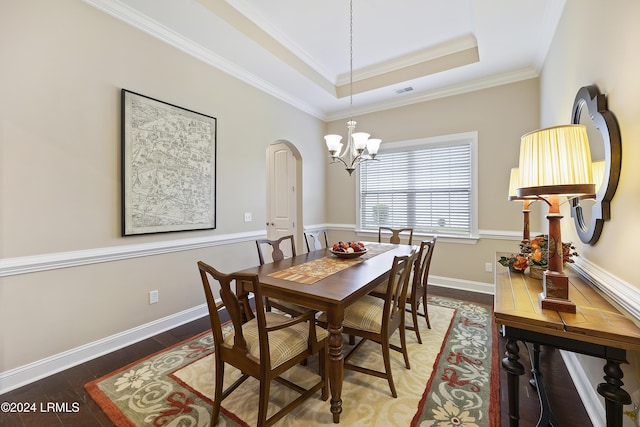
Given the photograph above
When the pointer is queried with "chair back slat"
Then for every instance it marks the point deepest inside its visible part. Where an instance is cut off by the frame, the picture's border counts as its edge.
(277, 254)
(427, 248)
(395, 234)
(316, 237)
(396, 297)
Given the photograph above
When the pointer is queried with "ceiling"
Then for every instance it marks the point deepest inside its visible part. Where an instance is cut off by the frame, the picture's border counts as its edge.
(404, 51)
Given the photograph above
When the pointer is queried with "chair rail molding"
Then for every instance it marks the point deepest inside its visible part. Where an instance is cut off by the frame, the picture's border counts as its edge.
(43, 262)
(621, 292)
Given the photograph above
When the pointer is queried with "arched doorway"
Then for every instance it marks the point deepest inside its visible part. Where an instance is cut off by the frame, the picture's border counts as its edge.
(284, 191)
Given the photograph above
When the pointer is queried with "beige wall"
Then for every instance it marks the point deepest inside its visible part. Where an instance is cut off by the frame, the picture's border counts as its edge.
(500, 115)
(597, 42)
(63, 65)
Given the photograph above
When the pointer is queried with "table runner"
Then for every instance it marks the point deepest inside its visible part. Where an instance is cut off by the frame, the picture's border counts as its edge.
(313, 271)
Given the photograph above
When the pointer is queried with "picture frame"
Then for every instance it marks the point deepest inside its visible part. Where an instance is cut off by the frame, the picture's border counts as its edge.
(168, 167)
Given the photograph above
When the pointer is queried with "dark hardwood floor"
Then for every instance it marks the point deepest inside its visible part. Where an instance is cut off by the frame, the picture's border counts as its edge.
(68, 386)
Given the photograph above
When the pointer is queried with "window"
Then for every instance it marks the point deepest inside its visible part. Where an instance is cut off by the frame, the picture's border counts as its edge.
(428, 184)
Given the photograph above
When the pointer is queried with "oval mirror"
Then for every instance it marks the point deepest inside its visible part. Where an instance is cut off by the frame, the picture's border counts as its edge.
(590, 212)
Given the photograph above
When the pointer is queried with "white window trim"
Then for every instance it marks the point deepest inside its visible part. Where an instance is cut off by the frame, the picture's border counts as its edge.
(464, 137)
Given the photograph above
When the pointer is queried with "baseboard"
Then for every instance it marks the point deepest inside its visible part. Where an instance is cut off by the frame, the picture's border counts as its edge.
(463, 285)
(37, 370)
(588, 394)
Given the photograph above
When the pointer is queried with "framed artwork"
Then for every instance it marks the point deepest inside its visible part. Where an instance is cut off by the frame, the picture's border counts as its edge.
(168, 167)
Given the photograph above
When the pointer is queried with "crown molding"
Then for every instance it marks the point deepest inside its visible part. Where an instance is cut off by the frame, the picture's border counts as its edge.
(445, 49)
(453, 90)
(127, 14)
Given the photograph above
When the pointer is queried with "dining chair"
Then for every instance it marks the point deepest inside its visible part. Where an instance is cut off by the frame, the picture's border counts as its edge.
(417, 289)
(262, 346)
(395, 234)
(277, 254)
(316, 237)
(377, 319)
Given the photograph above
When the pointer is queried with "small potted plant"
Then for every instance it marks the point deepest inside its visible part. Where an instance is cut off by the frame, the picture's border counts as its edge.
(537, 253)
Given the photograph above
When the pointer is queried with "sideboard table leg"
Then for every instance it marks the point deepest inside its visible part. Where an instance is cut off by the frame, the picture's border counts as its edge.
(615, 397)
(514, 369)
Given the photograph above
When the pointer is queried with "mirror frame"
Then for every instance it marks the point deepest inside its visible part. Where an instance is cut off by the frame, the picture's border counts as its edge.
(605, 121)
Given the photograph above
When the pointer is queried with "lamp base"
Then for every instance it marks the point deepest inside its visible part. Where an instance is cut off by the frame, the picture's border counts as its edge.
(565, 306)
(555, 294)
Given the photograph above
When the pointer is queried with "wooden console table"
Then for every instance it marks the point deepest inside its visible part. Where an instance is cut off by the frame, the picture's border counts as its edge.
(596, 329)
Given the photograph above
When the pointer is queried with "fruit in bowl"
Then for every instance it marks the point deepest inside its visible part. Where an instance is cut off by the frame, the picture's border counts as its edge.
(348, 249)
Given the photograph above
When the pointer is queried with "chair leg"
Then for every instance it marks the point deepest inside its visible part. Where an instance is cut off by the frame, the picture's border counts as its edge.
(403, 344)
(217, 394)
(426, 312)
(324, 369)
(414, 317)
(263, 401)
(387, 366)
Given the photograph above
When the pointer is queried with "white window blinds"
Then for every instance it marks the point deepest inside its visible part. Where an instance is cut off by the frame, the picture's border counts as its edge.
(427, 187)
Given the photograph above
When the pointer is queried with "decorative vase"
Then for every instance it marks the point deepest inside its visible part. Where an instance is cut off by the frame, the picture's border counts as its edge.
(536, 271)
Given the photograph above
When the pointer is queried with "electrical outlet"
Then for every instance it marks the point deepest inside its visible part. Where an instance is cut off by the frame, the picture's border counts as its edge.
(248, 217)
(488, 267)
(153, 297)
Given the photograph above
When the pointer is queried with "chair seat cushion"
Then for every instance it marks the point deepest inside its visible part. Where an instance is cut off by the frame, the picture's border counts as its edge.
(382, 289)
(364, 314)
(284, 343)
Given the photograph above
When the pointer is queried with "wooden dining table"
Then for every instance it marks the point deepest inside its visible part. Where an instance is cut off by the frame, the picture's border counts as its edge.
(330, 293)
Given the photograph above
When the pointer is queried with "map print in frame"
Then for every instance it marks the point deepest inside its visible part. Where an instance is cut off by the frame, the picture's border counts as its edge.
(168, 167)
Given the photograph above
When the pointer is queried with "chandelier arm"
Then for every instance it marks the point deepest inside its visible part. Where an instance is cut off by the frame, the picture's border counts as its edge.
(334, 159)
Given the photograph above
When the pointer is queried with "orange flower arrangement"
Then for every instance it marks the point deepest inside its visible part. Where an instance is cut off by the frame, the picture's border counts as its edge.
(516, 263)
(537, 251)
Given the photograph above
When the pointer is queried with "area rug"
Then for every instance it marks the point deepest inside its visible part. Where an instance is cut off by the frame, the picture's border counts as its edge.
(453, 381)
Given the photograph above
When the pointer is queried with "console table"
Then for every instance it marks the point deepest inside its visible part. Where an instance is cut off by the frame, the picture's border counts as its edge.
(596, 329)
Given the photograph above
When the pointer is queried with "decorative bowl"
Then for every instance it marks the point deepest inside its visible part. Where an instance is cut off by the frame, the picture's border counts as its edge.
(349, 254)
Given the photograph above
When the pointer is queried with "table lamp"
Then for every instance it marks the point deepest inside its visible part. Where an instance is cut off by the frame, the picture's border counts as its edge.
(555, 162)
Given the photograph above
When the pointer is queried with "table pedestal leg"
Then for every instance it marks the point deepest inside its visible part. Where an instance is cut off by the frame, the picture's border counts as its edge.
(336, 366)
(514, 370)
(615, 397)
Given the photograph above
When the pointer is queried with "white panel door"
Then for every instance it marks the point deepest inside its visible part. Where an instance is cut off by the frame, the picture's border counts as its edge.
(281, 192)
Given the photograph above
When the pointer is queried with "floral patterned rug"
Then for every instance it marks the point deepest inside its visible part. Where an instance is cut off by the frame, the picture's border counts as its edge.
(453, 381)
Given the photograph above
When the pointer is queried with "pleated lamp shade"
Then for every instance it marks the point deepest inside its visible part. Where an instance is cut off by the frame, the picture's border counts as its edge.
(597, 169)
(514, 184)
(556, 161)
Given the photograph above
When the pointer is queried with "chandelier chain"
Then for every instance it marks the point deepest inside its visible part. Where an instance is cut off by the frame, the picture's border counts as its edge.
(358, 147)
(350, 57)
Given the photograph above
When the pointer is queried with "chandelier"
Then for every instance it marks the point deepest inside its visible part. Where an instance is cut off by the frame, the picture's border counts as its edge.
(359, 147)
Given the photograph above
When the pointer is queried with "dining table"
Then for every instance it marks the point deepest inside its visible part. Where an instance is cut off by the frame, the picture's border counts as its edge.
(322, 281)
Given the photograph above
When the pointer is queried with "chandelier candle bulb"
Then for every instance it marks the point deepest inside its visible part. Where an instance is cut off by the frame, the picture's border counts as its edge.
(333, 144)
(373, 145)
